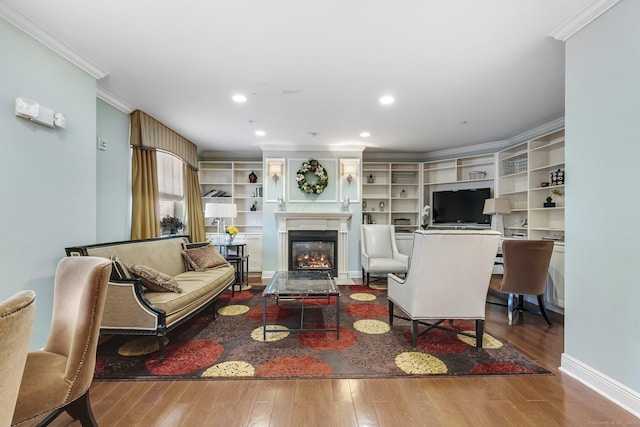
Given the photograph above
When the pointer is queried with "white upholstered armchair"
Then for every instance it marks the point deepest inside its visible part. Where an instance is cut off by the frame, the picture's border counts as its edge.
(448, 279)
(379, 252)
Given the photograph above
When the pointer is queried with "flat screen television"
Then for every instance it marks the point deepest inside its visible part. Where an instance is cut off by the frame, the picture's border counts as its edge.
(460, 206)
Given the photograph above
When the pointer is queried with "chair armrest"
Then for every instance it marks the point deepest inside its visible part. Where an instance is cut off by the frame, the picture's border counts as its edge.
(395, 278)
(364, 258)
(402, 258)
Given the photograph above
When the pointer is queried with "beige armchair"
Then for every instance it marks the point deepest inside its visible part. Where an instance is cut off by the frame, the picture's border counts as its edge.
(379, 252)
(526, 266)
(16, 322)
(448, 279)
(57, 378)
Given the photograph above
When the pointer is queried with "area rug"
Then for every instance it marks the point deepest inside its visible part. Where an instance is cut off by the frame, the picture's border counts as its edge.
(232, 345)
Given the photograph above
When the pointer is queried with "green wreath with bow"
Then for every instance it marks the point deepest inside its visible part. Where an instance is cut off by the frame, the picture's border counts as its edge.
(312, 168)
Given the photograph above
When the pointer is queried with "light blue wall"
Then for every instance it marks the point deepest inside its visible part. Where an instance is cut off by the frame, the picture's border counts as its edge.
(113, 175)
(603, 207)
(47, 176)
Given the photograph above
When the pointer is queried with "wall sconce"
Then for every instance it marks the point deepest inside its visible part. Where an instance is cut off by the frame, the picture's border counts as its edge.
(275, 170)
(349, 170)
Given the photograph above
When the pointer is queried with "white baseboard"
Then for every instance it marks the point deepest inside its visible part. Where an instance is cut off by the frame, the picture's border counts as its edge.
(609, 388)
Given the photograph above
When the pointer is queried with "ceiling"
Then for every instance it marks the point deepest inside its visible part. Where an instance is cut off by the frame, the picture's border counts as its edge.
(462, 72)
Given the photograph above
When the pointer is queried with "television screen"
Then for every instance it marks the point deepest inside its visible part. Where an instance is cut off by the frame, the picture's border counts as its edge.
(461, 206)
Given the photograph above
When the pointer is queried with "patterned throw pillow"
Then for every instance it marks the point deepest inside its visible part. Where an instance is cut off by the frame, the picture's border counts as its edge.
(119, 271)
(155, 280)
(204, 258)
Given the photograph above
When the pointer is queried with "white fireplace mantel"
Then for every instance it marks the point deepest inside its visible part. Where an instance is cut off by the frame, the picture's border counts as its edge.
(314, 221)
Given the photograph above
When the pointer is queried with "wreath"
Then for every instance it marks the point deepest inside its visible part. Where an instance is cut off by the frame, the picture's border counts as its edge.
(312, 167)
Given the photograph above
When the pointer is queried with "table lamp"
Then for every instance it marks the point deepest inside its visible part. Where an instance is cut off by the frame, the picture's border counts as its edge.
(497, 207)
(220, 211)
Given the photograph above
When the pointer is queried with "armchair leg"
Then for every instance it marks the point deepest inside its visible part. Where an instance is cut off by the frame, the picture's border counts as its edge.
(414, 333)
(79, 409)
(543, 310)
(390, 313)
(479, 333)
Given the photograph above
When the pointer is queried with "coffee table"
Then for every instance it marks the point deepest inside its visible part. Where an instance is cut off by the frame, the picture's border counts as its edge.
(301, 285)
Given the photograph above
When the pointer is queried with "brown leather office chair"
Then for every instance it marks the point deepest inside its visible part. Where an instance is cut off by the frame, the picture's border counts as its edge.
(526, 266)
(57, 378)
(16, 321)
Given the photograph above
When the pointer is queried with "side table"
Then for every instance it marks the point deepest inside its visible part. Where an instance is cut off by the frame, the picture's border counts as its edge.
(236, 254)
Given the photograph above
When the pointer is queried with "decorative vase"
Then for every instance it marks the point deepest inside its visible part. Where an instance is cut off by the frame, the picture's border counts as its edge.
(253, 178)
(381, 206)
(229, 237)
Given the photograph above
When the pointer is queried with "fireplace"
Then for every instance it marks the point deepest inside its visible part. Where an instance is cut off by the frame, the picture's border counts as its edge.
(314, 221)
(314, 250)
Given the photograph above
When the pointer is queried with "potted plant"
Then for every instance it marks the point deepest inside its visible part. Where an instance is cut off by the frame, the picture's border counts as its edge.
(171, 225)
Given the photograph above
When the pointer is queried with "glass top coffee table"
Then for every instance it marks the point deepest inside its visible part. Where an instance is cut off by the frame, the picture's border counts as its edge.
(301, 285)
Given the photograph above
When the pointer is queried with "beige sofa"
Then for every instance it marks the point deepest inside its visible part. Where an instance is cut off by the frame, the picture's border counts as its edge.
(132, 309)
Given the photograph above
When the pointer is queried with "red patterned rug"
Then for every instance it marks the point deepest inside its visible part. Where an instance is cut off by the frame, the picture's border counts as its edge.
(232, 345)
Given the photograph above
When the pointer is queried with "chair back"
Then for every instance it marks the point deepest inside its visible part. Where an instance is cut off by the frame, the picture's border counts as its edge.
(526, 266)
(378, 240)
(449, 274)
(80, 290)
(16, 322)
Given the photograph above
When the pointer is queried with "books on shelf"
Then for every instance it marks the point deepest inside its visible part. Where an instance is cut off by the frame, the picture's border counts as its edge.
(215, 193)
(553, 237)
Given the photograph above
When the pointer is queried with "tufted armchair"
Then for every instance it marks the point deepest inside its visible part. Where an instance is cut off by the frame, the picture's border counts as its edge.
(448, 279)
(57, 378)
(16, 321)
(379, 252)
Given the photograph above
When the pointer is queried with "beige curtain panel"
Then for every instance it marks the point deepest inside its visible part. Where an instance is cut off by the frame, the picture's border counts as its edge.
(193, 203)
(145, 223)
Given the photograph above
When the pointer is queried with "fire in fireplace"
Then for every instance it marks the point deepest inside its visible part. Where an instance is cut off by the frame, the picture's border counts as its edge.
(313, 250)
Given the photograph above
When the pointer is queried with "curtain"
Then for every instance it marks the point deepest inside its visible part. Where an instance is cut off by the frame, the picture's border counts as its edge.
(145, 223)
(193, 204)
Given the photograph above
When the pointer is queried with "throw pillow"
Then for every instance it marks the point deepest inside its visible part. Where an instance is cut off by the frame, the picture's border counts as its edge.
(119, 271)
(204, 258)
(155, 280)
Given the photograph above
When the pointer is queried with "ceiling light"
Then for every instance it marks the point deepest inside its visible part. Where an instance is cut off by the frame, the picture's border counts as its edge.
(387, 100)
(365, 134)
(239, 98)
(260, 133)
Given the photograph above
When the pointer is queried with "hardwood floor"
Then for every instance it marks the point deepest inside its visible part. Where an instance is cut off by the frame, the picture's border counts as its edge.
(555, 400)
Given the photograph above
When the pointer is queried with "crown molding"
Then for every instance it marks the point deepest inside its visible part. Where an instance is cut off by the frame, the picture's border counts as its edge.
(356, 148)
(581, 19)
(112, 100)
(34, 30)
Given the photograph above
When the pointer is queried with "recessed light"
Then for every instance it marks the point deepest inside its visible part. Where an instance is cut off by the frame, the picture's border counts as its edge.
(386, 100)
(260, 133)
(365, 134)
(239, 98)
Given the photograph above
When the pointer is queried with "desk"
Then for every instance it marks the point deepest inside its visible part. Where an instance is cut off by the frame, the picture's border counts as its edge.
(236, 254)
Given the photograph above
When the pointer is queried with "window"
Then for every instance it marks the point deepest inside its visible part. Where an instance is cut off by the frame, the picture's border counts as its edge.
(170, 185)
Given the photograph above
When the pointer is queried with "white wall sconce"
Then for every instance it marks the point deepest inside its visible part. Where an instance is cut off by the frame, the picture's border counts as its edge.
(32, 111)
(349, 170)
(275, 170)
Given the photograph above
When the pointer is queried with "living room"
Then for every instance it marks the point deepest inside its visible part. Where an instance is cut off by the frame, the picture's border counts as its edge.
(60, 191)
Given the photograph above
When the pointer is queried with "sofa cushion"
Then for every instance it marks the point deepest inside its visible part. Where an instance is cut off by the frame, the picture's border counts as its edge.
(204, 258)
(155, 280)
(196, 286)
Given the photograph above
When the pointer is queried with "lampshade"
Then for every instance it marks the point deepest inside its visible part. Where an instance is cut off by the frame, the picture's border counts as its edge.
(220, 210)
(498, 205)
(275, 169)
(350, 169)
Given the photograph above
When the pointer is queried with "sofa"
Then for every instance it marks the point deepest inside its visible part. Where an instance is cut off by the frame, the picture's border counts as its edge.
(133, 307)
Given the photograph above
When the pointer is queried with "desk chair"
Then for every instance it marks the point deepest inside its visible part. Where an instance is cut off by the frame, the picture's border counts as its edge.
(526, 266)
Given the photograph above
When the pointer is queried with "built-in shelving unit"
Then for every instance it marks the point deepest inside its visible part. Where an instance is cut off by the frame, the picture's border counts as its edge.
(229, 182)
(525, 179)
(391, 194)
